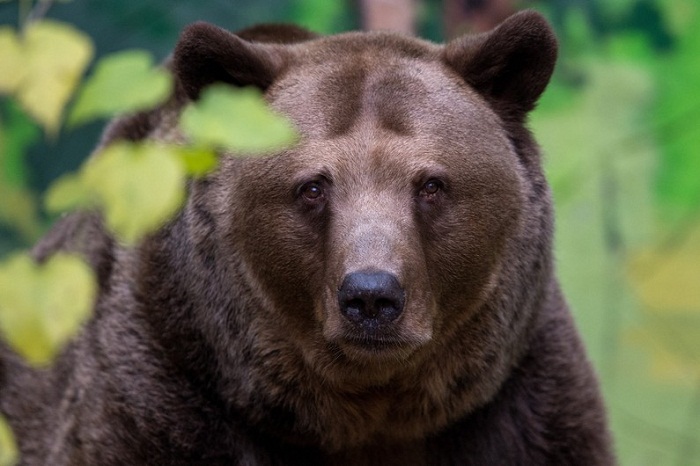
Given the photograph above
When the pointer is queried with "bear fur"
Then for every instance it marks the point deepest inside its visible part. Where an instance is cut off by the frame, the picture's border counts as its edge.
(383, 293)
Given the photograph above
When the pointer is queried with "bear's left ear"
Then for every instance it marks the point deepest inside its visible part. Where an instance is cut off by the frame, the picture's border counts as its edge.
(206, 54)
(510, 66)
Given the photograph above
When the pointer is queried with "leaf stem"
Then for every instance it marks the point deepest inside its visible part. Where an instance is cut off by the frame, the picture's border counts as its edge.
(40, 10)
(24, 6)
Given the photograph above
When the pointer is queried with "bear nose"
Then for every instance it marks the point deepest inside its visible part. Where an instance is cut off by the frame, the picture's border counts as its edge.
(371, 297)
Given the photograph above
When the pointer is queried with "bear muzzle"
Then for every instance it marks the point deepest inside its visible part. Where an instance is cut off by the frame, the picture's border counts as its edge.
(371, 301)
(372, 307)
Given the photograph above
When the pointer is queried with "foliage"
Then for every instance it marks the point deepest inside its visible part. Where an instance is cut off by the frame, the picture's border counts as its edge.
(43, 304)
(209, 121)
(42, 67)
(138, 186)
(122, 82)
(319, 15)
(618, 126)
(678, 189)
(8, 449)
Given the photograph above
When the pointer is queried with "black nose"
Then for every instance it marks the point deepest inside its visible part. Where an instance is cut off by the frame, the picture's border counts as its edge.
(371, 298)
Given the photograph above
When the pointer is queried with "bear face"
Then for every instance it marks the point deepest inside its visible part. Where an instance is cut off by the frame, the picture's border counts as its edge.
(417, 186)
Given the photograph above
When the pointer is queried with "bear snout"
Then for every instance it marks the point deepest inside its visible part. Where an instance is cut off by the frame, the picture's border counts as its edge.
(371, 300)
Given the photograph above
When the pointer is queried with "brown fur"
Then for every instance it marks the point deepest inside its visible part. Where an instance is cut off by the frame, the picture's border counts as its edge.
(222, 338)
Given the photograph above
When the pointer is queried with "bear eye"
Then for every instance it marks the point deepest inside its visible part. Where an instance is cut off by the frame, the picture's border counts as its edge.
(311, 191)
(430, 188)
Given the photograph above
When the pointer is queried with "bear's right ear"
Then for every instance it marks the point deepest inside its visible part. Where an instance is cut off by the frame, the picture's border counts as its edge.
(510, 66)
(206, 54)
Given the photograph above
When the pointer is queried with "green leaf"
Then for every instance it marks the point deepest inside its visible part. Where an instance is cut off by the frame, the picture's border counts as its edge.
(197, 161)
(8, 449)
(676, 115)
(238, 120)
(42, 306)
(12, 64)
(68, 193)
(18, 206)
(140, 186)
(19, 210)
(320, 15)
(55, 56)
(122, 83)
(18, 134)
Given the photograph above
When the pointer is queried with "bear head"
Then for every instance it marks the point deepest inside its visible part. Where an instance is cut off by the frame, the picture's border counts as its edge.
(410, 222)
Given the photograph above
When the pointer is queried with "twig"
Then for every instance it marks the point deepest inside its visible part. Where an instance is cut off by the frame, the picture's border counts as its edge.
(39, 11)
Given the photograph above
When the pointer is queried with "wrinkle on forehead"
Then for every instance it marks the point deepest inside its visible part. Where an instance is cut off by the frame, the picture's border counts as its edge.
(340, 93)
(392, 97)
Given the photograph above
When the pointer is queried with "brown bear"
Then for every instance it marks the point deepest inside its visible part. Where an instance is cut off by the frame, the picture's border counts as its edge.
(382, 293)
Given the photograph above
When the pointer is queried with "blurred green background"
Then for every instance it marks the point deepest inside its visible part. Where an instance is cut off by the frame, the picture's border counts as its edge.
(620, 129)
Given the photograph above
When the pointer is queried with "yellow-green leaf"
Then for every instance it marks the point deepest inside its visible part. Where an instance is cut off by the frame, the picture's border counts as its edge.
(8, 448)
(19, 210)
(42, 306)
(238, 120)
(197, 161)
(140, 186)
(669, 280)
(55, 56)
(68, 193)
(123, 82)
(12, 67)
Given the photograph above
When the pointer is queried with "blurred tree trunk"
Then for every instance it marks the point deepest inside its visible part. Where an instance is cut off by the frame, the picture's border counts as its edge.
(394, 15)
(461, 16)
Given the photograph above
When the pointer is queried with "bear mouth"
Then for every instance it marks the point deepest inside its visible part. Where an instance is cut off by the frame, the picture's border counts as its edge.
(374, 344)
(375, 347)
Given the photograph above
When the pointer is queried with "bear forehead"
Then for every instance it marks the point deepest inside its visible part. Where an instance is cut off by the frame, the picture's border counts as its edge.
(374, 43)
(379, 81)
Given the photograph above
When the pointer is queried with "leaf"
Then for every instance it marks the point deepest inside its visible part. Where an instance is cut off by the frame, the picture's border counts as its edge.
(238, 120)
(18, 206)
(320, 15)
(669, 280)
(676, 115)
(55, 56)
(68, 193)
(197, 161)
(19, 210)
(122, 82)
(8, 449)
(18, 134)
(139, 186)
(12, 67)
(42, 306)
